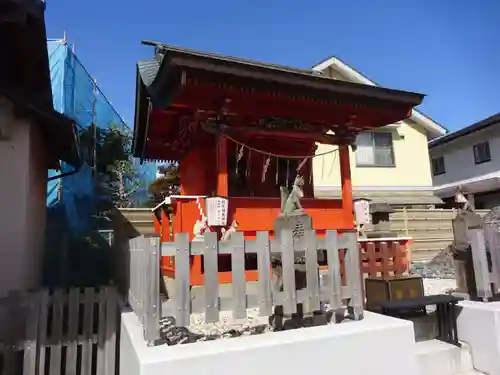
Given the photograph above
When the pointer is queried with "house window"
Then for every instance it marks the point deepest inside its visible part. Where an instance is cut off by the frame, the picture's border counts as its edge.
(438, 166)
(374, 149)
(481, 152)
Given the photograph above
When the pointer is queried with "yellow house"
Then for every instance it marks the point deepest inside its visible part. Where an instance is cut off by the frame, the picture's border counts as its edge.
(390, 165)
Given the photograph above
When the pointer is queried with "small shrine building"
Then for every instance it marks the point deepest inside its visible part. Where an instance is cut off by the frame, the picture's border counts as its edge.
(248, 131)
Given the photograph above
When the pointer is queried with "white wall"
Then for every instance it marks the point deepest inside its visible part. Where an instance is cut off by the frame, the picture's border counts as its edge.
(22, 201)
(459, 157)
(411, 169)
(479, 326)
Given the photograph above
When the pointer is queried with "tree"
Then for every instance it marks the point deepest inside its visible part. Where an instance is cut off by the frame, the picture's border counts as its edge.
(116, 179)
(120, 182)
(167, 184)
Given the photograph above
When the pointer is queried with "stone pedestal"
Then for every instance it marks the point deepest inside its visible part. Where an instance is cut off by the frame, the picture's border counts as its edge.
(461, 278)
(462, 253)
(297, 223)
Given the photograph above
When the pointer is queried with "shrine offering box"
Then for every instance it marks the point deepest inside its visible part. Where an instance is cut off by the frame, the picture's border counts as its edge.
(392, 288)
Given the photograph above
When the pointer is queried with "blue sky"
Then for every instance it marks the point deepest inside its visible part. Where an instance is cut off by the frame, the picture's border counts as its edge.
(446, 49)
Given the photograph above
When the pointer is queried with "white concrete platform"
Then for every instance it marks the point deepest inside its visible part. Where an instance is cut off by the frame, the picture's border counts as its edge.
(435, 357)
(377, 345)
(479, 326)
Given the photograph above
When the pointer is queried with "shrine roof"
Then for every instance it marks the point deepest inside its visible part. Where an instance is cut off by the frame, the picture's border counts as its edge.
(157, 69)
(160, 79)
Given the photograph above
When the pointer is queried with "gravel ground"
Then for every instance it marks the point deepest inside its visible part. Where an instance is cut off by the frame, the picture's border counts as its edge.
(429, 270)
(438, 286)
(442, 266)
(228, 327)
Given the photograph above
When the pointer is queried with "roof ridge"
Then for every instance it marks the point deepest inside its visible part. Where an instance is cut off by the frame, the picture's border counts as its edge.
(374, 83)
(474, 127)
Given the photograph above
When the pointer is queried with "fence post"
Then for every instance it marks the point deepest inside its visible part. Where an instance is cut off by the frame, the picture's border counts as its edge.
(352, 268)
(152, 289)
(480, 261)
(182, 281)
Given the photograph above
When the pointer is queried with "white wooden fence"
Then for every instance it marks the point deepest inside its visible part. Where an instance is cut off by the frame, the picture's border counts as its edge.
(144, 276)
(268, 295)
(143, 283)
(63, 333)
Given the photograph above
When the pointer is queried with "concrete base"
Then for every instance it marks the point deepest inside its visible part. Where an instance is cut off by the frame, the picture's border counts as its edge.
(439, 358)
(479, 326)
(377, 345)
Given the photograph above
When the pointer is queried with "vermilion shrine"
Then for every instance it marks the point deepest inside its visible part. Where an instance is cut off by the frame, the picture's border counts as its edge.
(247, 131)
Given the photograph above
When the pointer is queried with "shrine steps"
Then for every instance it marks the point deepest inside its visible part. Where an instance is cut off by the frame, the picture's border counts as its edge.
(435, 357)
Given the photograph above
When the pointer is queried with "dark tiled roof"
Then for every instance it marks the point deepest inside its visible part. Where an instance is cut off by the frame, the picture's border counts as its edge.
(148, 69)
(307, 77)
(165, 48)
(480, 125)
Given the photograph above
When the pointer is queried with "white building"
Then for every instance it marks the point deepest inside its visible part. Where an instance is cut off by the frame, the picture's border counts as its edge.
(469, 158)
(33, 138)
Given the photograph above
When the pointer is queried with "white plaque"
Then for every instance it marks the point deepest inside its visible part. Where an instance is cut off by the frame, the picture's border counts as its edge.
(216, 208)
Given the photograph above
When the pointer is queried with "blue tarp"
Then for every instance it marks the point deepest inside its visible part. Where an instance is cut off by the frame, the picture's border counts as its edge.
(76, 95)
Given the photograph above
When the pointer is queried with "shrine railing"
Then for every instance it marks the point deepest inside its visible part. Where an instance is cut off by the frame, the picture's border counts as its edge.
(137, 276)
(384, 257)
(341, 286)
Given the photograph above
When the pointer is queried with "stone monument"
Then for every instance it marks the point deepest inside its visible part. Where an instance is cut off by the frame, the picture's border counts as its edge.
(491, 224)
(465, 219)
(294, 218)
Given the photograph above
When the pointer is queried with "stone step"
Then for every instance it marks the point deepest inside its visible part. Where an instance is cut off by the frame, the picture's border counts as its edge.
(435, 357)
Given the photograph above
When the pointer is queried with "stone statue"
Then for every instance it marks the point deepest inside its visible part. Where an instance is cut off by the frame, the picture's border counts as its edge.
(462, 200)
(200, 227)
(460, 248)
(290, 201)
(226, 234)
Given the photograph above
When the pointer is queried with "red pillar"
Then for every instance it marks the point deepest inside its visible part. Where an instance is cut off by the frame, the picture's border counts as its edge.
(222, 180)
(346, 187)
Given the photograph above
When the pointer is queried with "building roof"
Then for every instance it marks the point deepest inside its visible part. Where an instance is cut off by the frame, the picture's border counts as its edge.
(480, 125)
(433, 128)
(160, 78)
(391, 197)
(223, 64)
(25, 77)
